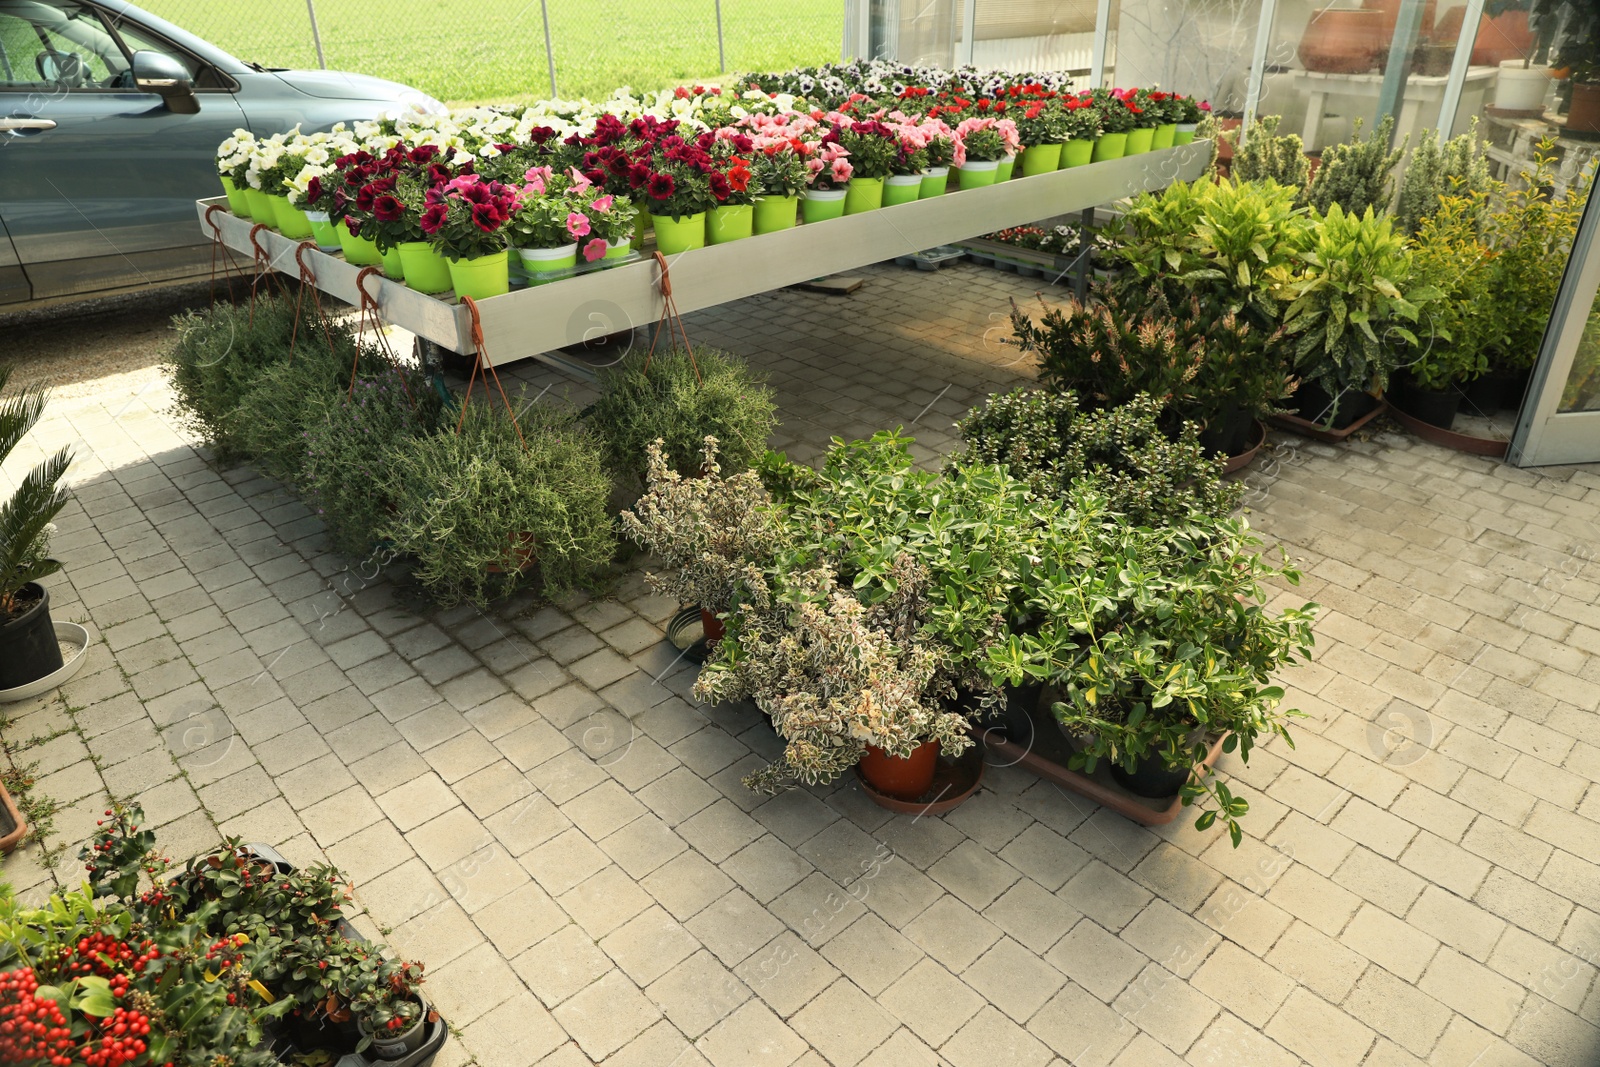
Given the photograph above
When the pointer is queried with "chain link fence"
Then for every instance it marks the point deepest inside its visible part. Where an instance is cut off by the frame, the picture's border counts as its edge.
(481, 51)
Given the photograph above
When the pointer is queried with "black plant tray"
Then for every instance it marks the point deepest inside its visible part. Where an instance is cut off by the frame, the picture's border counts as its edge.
(283, 1047)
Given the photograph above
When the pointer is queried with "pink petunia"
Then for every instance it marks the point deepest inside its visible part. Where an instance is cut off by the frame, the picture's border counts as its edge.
(842, 169)
(603, 204)
(595, 249)
(578, 224)
(580, 181)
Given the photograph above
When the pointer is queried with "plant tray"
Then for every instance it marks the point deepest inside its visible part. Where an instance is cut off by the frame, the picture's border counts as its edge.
(12, 827)
(1322, 433)
(69, 633)
(1011, 257)
(1477, 446)
(1244, 459)
(1045, 752)
(932, 258)
(954, 780)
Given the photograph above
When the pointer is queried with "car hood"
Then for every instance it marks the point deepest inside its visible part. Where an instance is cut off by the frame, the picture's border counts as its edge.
(339, 85)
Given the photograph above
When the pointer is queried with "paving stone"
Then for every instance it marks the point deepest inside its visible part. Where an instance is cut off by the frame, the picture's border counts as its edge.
(733, 927)
(1321, 1033)
(751, 1037)
(561, 965)
(990, 1038)
(1473, 990)
(843, 1023)
(604, 901)
(686, 884)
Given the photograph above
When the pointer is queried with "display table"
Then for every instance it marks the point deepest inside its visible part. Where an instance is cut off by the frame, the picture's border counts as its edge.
(538, 321)
(1513, 143)
(1419, 90)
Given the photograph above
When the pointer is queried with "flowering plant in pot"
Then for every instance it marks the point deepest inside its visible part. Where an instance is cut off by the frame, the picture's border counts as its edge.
(1154, 641)
(387, 1004)
(28, 647)
(874, 150)
(733, 216)
(464, 222)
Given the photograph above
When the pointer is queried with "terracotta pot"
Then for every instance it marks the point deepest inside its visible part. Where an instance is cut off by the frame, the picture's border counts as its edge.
(907, 778)
(1584, 114)
(1343, 42)
(711, 626)
(518, 557)
(1500, 39)
(1391, 18)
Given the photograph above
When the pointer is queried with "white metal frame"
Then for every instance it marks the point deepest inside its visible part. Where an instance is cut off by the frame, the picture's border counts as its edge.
(536, 321)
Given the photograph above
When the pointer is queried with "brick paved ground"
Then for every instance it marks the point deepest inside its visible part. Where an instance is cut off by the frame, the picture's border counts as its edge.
(529, 802)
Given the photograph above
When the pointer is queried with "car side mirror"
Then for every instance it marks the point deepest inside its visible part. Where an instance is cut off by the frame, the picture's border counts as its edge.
(156, 73)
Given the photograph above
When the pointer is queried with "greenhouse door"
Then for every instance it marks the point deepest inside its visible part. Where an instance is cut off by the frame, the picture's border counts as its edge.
(1560, 419)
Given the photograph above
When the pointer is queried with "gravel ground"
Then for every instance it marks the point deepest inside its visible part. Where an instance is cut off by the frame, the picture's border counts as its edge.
(74, 347)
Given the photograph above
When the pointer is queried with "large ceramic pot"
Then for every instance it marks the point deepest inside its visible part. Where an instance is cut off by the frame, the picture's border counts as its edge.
(28, 647)
(1521, 88)
(1501, 38)
(905, 779)
(1584, 114)
(1343, 42)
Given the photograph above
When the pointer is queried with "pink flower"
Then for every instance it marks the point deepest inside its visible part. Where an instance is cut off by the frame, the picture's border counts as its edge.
(842, 169)
(595, 249)
(580, 182)
(814, 166)
(578, 224)
(603, 204)
(537, 177)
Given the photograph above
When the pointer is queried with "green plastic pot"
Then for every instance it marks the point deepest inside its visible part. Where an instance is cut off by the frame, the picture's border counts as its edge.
(730, 222)
(1184, 132)
(1002, 173)
(1040, 159)
(292, 222)
(1077, 153)
(934, 182)
(260, 206)
(1164, 135)
(358, 251)
(539, 263)
(237, 202)
(1110, 146)
(864, 194)
(617, 250)
(323, 231)
(679, 235)
(902, 189)
(979, 173)
(426, 270)
(642, 224)
(480, 277)
(822, 204)
(774, 213)
(394, 267)
(1139, 140)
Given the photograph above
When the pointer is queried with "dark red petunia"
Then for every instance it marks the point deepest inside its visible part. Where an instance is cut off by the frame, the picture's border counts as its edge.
(433, 218)
(661, 186)
(388, 208)
(719, 185)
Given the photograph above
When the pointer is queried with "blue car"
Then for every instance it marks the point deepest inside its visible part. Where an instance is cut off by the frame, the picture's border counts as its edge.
(109, 124)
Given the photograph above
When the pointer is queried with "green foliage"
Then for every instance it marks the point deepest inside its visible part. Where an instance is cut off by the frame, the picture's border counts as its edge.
(1358, 174)
(1121, 453)
(1156, 639)
(481, 513)
(287, 398)
(681, 400)
(1352, 302)
(25, 517)
(1458, 167)
(1531, 235)
(1238, 242)
(1267, 156)
(215, 360)
(348, 446)
(1455, 330)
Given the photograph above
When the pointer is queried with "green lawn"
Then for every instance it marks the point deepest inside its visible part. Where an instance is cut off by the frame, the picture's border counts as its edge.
(493, 50)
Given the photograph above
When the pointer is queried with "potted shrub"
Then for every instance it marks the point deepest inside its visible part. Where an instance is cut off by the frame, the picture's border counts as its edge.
(1267, 155)
(1152, 642)
(477, 510)
(214, 361)
(1189, 114)
(1117, 121)
(1359, 173)
(1041, 129)
(732, 218)
(1457, 167)
(545, 227)
(28, 647)
(1352, 307)
(681, 398)
(707, 529)
(463, 222)
(390, 1013)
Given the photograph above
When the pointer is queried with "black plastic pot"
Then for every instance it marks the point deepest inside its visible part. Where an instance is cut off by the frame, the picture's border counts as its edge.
(1151, 777)
(28, 647)
(1500, 391)
(1227, 434)
(321, 1035)
(1313, 404)
(1436, 407)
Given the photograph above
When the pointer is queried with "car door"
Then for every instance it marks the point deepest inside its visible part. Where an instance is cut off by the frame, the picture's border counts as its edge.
(97, 179)
(13, 280)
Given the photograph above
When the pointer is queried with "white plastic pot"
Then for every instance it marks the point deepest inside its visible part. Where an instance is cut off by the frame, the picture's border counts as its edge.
(1520, 88)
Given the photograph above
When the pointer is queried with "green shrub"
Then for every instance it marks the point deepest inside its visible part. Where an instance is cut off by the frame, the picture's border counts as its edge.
(1359, 173)
(1457, 329)
(347, 447)
(1266, 156)
(287, 398)
(1458, 167)
(672, 403)
(215, 360)
(1121, 453)
(481, 513)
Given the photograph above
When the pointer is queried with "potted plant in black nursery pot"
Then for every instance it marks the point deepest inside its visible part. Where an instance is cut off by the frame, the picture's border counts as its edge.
(28, 647)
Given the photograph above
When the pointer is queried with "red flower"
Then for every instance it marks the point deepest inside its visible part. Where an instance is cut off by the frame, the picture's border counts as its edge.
(661, 186)
(433, 218)
(719, 185)
(313, 190)
(739, 177)
(485, 218)
(388, 208)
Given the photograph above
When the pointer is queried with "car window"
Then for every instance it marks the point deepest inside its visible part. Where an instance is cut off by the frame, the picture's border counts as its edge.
(57, 44)
(138, 39)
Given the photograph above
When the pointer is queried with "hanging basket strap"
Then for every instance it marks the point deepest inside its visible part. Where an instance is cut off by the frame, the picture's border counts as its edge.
(263, 264)
(229, 263)
(481, 362)
(368, 315)
(308, 283)
(669, 319)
